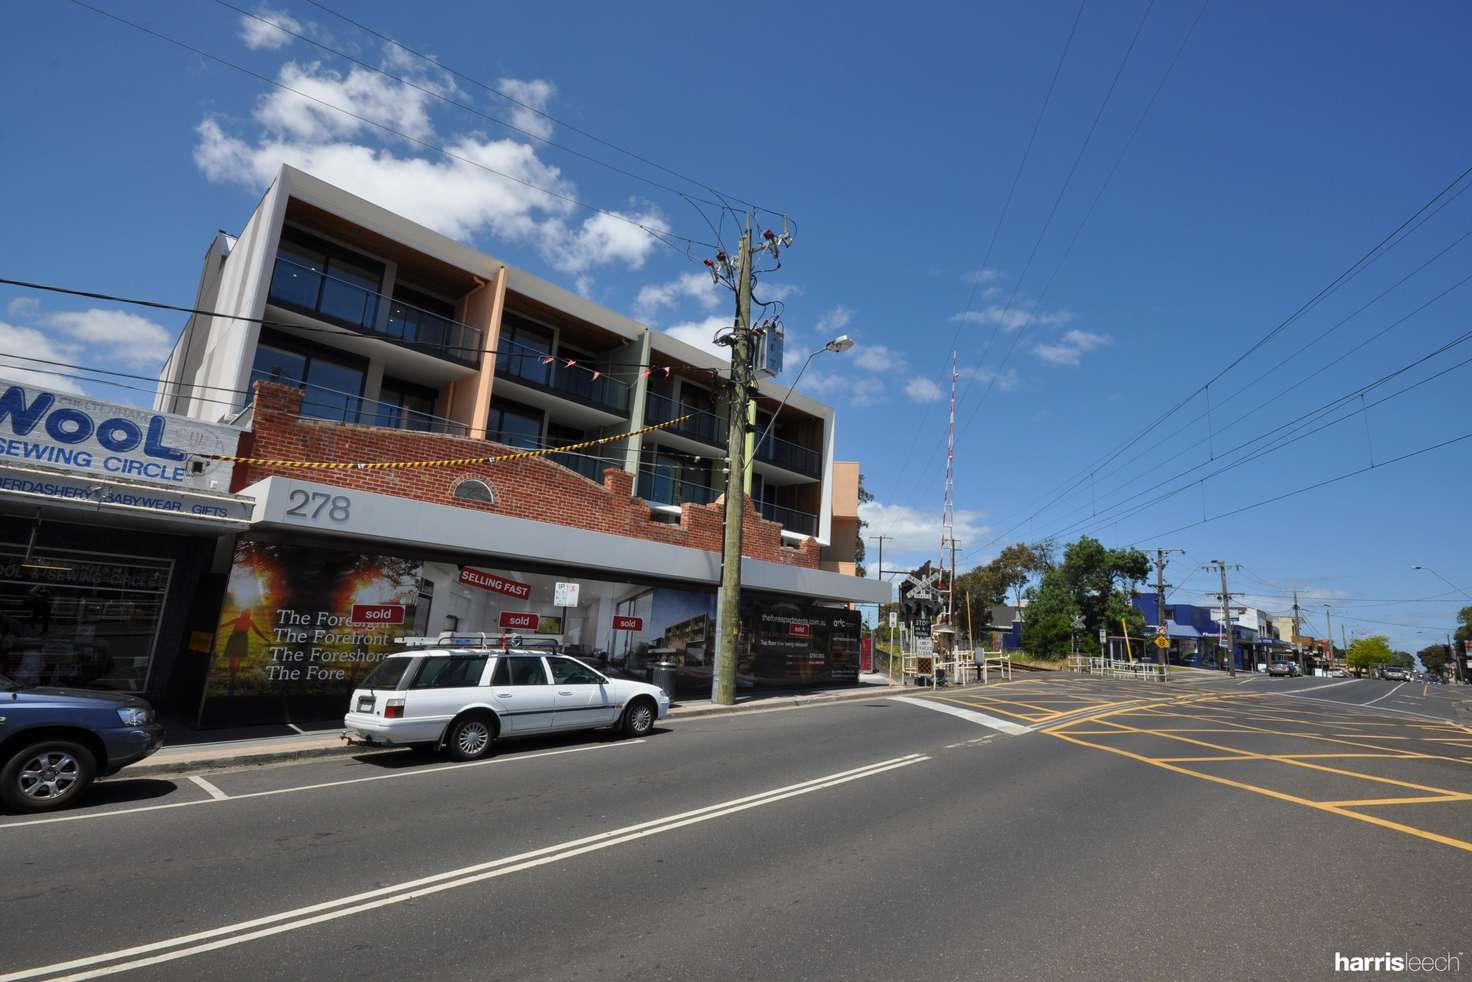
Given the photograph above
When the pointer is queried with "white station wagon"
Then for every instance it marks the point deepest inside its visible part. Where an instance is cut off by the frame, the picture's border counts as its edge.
(464, 698)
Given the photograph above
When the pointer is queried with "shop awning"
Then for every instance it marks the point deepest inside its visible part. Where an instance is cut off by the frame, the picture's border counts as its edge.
(69, 494)
(387, 521)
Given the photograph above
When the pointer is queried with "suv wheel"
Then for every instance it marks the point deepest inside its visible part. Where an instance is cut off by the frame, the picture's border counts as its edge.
(46, 775)
(470, 738)
(639, 718)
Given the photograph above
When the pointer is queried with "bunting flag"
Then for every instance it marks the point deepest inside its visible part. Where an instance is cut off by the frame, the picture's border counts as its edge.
(571, 362)
(645, 373)
(596, 373)
(547, 359)
(332, 465)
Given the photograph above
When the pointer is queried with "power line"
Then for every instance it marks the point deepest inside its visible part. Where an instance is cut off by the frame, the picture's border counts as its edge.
(436, 63)
(659, 235)
(1353, 270)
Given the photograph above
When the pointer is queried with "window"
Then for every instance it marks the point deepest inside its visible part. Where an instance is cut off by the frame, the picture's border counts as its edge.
(521, 348)
(405, 406)
(387, 674)
(474, 489)
(565, 671)
(515, 425)
(333, 382)
(450, 672)
(314, 274)
(420, 318)
(519, 671)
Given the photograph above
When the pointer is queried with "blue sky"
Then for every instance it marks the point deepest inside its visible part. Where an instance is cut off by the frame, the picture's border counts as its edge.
(1286, 141)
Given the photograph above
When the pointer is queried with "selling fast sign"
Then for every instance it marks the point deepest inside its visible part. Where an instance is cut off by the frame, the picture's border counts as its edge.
(486, 580)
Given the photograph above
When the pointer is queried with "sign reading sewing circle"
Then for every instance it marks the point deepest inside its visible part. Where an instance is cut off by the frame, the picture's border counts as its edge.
(470, 576)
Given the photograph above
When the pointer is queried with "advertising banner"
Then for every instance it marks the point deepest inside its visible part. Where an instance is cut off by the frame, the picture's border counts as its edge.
(59, 429)
(291, 643)
(493, 583)
(791, 643)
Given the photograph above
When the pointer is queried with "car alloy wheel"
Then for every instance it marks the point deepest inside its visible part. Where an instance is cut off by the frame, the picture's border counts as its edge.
(49, 775)
(471, 738)
(641, 719)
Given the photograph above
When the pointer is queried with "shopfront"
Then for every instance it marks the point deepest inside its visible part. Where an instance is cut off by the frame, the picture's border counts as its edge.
(110, 521)
(312, 601)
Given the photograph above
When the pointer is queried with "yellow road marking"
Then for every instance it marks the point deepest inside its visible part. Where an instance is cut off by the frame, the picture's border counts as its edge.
(1281, 796)
(1426, 799)
(987, 705)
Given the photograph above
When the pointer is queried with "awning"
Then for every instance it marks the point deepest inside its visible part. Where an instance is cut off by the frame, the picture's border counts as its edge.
(72, 495)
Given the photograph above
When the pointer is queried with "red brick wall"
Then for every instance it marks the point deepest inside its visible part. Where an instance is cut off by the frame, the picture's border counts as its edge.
(535, 489)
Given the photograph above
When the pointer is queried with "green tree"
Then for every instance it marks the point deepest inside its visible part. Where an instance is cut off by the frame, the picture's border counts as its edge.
(1093, 582)
(1434, 658)
(1367, 653)
(993, 584)
(1404, 659)
(865, 496)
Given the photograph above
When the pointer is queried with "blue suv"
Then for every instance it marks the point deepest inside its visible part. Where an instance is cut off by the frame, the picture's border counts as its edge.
(54, 742)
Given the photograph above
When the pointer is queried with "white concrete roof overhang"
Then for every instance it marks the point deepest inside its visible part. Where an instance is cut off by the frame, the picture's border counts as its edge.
(387, 522)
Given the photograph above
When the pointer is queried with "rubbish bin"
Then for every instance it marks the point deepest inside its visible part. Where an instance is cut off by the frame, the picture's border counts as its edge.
(664, 676)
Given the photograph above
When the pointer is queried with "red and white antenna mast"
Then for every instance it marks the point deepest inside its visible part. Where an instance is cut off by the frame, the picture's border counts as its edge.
(948, 512)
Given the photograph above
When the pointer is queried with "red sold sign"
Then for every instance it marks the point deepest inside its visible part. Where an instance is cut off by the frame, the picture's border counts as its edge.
(523, 621)
(622, 622)
(800, 630)
(471, 576)
(378, 614)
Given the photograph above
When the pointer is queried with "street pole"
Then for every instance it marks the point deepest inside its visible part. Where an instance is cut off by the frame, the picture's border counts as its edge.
(1329, 635)
(1297, 651)
(1225, 626)
(728, 614)
(1161, 558)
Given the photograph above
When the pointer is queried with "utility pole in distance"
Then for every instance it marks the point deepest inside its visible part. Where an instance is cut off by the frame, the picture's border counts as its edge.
(1329, 635)
(1161, 558)
(881, 539)
(1225, 636)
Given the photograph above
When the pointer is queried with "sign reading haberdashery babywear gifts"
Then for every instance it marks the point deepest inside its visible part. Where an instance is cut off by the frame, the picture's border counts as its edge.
(61, 430)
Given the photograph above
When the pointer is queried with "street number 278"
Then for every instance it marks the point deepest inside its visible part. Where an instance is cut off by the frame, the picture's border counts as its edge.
(311, 505)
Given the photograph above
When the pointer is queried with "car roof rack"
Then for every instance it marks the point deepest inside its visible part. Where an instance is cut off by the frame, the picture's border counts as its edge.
(479, 639)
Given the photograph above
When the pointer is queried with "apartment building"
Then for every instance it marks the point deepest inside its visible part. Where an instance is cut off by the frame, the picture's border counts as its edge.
(344, 332)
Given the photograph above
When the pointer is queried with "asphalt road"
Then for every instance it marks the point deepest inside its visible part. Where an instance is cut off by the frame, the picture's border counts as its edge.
(1108, 830)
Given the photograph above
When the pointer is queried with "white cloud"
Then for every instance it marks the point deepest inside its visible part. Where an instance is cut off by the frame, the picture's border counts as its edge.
(23, 307)
(1004, 381)
(692, 286)
(1070, 348)
(985, 275)
(259, 35)
(700, 334)
(878, 358)
(18, 343)
(127, 337)
(1010, 318)
(914, 532)
(463, 194)
(922, 389)
(536, 93)
(866, 391)
(833, 321)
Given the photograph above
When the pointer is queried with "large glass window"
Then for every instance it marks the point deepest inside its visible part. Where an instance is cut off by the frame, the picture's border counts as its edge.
(450, 672)
(68, 618)
(420, 318)
(515, 425)
(405, 406)
(512, 670)
(333, 386)
(318, 275)
(521, 349)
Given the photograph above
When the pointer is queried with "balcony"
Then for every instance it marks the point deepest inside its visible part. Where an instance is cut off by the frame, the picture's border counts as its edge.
(336, 406)
(789, 455)
(529, 365)
(590, 467)
(704, 426)
(663, 489)
(307, 290)
(789, 518)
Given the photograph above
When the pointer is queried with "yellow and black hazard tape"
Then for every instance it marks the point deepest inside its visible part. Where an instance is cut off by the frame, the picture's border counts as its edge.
(327, 465)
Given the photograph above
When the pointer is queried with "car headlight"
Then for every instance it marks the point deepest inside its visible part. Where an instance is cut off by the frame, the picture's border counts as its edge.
(134, 716)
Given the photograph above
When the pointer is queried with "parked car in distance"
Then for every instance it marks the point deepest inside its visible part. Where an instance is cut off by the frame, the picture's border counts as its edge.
(1285, 668)
(462, 699)
(1394, 673)
(54, 742)
(1339, 673)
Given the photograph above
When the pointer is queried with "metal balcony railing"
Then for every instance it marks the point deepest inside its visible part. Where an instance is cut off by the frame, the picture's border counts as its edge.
(790, 519)
(299, 287)
(527, 364)
(664, 489)
(590, 467)
(704, 426)
(792, 456)
(336, 406)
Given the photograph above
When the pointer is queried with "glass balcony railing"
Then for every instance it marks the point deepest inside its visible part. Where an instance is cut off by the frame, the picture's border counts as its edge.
(792, 456)
(665, 489)
(303, 288)
(704, 426)
(590, 467)
(789, 518)
(528, 365)
(319, 402)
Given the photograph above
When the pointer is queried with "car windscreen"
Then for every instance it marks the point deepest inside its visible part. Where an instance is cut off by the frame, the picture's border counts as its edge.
(387, 674)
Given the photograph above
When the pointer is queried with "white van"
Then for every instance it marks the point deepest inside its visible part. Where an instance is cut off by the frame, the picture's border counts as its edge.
(464, 698)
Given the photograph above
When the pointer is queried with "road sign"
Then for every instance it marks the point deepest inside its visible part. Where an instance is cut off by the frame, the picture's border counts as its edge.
(1160, 630)
(1161, 642)
(894, 619)
(565, 595)
(1103, 636)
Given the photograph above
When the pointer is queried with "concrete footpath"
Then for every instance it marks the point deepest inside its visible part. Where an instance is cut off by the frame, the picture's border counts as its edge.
(184, 758)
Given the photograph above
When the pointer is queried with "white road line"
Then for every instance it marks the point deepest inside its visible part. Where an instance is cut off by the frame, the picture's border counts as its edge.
(297, 728)
(302, 917)
(1328, 685)
(970, 715)
(1361, 705)
(1386, 696)
(209, 788)
(316, 787)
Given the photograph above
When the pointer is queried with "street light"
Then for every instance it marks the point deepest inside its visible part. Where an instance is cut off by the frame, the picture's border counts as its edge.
(1457, 673)
(838, 346)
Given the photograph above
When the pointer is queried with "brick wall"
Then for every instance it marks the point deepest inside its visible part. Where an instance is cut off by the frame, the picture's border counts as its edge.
(535, 489)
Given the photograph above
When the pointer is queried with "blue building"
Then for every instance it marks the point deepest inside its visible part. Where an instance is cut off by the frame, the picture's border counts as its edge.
(1195, 633)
